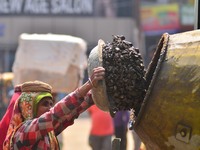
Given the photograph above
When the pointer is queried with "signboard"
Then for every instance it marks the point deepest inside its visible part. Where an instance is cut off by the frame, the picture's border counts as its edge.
(97, 8)
(187, 15)
(160, 17)
(44, 7)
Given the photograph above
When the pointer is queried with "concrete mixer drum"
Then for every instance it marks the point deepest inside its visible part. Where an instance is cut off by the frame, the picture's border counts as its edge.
(169, 116)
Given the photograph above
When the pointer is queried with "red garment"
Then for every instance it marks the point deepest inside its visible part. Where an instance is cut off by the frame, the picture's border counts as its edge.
(34, 133)
(6, 118)
(102, 122)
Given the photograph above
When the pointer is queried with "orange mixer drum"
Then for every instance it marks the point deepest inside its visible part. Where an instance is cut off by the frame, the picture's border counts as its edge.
(169, 118)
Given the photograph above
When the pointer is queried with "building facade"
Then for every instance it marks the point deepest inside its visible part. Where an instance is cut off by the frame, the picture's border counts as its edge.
(141, 21)
(89, 19)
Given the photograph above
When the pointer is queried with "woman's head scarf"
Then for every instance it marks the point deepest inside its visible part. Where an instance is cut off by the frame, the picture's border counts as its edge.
(25, 107)
(6, 118)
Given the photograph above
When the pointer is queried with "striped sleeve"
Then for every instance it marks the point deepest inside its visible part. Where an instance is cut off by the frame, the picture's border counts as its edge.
(67, 120)
(57, 119)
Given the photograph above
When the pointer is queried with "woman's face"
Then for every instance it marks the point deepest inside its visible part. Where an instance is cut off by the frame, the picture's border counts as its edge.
(44, 106)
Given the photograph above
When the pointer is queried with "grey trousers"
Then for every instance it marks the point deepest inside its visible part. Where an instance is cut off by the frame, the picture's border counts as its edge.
(100, 142)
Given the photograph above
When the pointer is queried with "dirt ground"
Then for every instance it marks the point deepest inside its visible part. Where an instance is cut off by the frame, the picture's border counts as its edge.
(75, 137)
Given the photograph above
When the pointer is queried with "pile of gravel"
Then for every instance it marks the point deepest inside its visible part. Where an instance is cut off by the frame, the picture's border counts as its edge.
(124, 78)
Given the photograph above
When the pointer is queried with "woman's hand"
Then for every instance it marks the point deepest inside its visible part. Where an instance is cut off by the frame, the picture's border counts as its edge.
(97, 74)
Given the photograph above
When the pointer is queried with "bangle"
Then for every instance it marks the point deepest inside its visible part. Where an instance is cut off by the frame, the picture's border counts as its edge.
(90, 82)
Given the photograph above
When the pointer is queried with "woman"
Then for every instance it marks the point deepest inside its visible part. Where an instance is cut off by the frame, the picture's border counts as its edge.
(35, 122)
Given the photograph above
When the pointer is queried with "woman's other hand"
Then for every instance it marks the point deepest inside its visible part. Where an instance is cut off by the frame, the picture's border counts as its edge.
(97, 74)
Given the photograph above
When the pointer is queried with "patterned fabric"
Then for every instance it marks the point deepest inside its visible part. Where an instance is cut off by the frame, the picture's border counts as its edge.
(39, 132)
(16, 120)
(23, 110)
(29, 101)
(4, 123)
(26, 105)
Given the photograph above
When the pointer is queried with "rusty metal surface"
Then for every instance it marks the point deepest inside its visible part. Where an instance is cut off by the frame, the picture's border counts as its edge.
(170, 115)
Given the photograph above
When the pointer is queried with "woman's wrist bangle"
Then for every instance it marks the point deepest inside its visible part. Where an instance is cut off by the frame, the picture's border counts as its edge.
(90, 82)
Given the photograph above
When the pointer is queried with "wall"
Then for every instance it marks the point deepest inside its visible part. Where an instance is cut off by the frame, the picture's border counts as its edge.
(90, 29)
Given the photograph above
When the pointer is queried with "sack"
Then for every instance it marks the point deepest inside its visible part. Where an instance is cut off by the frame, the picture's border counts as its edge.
(59, 60)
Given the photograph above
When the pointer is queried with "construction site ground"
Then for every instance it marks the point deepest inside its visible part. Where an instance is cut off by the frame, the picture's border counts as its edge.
(75, 137)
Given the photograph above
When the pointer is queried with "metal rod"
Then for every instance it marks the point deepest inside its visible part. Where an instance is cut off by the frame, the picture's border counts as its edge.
(197, 14)
(116, 144)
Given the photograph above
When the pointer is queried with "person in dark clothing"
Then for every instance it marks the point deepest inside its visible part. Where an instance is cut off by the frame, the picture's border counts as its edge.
(121, 120)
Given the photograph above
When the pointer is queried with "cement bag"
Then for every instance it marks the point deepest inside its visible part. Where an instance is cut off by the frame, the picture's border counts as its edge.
(59, 60)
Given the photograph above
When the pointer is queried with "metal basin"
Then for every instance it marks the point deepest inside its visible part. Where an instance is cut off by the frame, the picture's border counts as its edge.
(99, 93)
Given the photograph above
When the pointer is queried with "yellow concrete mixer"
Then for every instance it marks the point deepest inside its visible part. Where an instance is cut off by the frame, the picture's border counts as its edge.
(169, 116)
